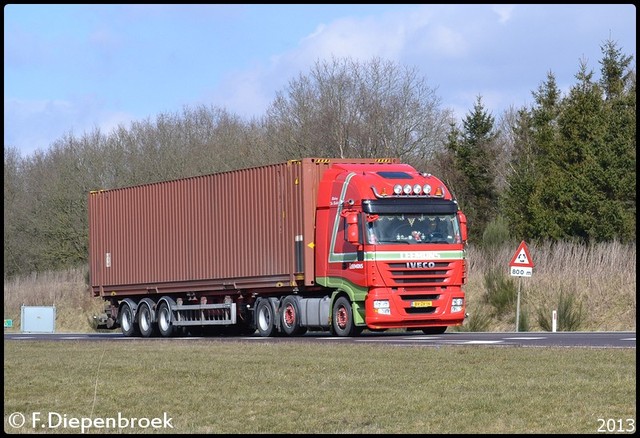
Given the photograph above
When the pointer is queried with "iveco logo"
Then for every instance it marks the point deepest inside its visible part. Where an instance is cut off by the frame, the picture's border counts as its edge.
(421, 265)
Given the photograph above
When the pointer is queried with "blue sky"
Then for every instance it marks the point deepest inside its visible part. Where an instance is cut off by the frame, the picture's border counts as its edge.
(69, 69)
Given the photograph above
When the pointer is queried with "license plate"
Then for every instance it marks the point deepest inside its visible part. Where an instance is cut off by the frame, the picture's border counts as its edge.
(421, 304)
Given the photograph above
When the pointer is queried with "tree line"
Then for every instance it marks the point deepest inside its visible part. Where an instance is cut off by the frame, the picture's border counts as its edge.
(562, 169)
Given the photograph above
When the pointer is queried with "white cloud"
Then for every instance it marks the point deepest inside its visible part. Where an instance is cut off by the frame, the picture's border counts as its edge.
(37, 124)
(445, 41)
(246, 93)
(504, 12)
(386, 36)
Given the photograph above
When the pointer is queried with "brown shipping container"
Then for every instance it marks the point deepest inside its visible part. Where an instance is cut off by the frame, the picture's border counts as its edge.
(240, 229)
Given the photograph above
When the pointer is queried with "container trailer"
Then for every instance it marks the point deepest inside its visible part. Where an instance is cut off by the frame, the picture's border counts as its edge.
(317, 244)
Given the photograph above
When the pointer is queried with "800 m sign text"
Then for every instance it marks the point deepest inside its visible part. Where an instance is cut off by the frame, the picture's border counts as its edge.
(517, 271)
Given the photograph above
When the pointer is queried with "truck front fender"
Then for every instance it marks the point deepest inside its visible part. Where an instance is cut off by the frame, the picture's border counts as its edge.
(355, 293)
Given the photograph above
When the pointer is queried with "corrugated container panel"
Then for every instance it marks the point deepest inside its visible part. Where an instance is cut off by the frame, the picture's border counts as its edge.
(256, 222)
(235, 224)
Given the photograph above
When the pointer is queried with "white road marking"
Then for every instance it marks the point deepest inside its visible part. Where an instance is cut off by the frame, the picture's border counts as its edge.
(474, 342)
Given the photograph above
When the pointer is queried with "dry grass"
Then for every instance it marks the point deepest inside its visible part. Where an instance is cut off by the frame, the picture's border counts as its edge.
(601, 278)
(66, 290)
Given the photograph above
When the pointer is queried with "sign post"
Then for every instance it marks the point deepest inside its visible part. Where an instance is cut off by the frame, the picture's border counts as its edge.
(521, 265)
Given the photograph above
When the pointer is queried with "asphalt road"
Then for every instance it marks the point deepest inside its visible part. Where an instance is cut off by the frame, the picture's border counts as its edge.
(511, 339)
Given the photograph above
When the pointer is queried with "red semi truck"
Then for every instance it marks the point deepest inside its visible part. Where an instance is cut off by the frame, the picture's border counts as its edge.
(317, 244)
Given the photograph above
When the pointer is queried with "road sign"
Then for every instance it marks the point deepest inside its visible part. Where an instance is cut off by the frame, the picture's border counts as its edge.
(521, 265)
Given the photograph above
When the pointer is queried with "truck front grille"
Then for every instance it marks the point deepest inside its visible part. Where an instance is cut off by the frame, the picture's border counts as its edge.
(402, 274)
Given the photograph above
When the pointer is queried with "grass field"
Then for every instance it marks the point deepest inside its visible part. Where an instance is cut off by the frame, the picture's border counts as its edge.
(195, 386)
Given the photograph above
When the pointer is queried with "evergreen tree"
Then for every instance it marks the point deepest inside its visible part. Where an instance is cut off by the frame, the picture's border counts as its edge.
(473, 152)
(573, 190)
(617, 159)
(534, 133)
(616, 76)
(574, 165)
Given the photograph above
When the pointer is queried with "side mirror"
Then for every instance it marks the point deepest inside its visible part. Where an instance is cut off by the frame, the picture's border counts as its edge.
(352, 228)
(463, 225)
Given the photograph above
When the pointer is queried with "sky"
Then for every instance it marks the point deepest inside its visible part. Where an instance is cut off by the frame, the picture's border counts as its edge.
(71, 69)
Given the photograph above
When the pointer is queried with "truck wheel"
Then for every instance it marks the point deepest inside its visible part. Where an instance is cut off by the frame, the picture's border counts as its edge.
(434, 330)
(342, 318)
(145, 320)
(265, 319)
(290, 320)
(165, 320)
(129, 327)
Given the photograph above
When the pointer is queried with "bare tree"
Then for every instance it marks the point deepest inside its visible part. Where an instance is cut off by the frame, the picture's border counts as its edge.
(346, 108)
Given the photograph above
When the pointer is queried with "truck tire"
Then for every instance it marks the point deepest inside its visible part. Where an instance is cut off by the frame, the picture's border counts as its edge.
(145, 320)
(290, 317)
(127, 323)
(265, 319)
(342, 318)
(165, 320)
(434, 330)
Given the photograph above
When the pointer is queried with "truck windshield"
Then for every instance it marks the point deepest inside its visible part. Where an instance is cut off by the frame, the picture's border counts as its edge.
(412, 228)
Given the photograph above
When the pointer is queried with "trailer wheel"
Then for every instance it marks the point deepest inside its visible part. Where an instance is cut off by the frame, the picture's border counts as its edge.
(265, 319)
(145, 320)
(290, 320)
(129, 327)
(165, 320)
(342, 318)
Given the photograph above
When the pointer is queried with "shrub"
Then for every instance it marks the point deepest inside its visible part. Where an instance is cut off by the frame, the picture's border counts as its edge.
(569, 310)
(501, 291)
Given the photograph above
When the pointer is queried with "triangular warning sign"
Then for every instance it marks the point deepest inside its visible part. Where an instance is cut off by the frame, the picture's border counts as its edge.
(522, 257)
